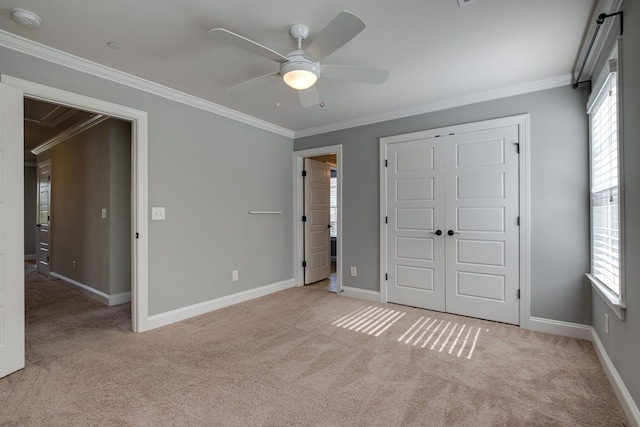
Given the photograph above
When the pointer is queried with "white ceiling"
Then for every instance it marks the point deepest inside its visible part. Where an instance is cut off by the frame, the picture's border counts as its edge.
(435, 50)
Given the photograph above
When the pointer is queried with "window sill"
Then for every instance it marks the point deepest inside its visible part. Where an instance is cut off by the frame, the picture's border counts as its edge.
(612, 300)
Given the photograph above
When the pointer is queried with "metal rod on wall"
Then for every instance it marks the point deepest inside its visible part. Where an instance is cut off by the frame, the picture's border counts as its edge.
(265, 212)
(599, 22)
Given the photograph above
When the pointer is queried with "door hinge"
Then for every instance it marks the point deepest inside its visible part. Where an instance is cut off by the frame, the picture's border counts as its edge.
(49, 177)
(304, 173)
(386, 163)
(386, 276)
(304, 264)
(386, 220)
(47, 259)
(518, 293)
(517, 144)
(137, 235)
(48, 217)
(304, 218)
(518, 221)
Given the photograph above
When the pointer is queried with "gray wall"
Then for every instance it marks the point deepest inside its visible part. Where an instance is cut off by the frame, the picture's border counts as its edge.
(119, 216)
(208, 171)
(30, 216)
(91, 172)
(559, 194)
(623, 342)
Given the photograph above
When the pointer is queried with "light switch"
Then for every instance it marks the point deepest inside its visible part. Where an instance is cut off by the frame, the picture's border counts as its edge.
(157, 214)
(104, 213)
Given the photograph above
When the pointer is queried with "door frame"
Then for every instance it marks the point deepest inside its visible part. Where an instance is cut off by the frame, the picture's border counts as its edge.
(523, 123)
(298, 211)
(139, 181)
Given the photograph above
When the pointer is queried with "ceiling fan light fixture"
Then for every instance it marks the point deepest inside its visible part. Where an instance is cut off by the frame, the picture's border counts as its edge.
(300, 75)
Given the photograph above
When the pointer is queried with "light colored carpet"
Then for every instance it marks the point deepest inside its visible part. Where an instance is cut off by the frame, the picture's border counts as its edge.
(300, 357)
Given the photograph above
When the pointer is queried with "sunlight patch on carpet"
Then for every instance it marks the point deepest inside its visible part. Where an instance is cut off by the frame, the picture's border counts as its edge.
(370, 320)
(437, 335)
(443, 337)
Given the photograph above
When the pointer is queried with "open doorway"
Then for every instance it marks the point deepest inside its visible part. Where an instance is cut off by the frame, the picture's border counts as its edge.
(138, 190)
(82, 214)
(307, 234)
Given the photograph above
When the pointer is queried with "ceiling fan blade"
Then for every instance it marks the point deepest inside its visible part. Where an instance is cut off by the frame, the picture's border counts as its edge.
(254, 82)
(309, 97)
(355, 74)
(237, 40)
(343, 28)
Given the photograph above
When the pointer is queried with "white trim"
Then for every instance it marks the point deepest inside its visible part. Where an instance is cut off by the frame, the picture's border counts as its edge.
(535, 86)
(22, 45)
(70, 132)
(121, 298)
(93, 293)
(30, 257)
(613, 301)
(139, 181)
(557, 327)
(169, 317)
(523, 123)
(298, 211)
(363, 294)
(622, 393)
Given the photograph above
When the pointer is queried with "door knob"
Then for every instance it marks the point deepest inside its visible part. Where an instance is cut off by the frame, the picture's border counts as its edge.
(437, 232)
(451, 232)
(38, 225)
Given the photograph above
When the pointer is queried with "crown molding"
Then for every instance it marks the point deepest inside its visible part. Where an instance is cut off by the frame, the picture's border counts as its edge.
(534, 86)
(40, 51)
(28, 47)
(68, 133)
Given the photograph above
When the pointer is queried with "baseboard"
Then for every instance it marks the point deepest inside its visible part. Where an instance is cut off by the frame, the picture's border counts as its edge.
(179, 314)
(30, 257)
(364, 294)
(121, 298)
(93, 293)
(620, 389)
(557, 327)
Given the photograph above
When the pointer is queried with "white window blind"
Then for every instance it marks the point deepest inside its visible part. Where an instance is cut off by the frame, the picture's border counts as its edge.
(605, 214)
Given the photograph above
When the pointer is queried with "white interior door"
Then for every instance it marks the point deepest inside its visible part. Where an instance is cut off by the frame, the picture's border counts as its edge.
(416, 221)
(466, 186)
(43, 239)
(11, 231)
(482, 261)
(317, 241)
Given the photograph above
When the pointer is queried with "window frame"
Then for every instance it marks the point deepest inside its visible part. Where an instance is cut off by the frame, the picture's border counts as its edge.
(615, 301)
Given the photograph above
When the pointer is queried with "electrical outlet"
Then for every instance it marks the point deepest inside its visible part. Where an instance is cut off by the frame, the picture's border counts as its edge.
(354, 271)
(157, 214)
(234, 275)
(606, 323)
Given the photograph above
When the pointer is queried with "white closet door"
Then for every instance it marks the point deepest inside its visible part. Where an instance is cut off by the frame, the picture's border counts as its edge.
(415, 207)
(466, 186)
(482, 261)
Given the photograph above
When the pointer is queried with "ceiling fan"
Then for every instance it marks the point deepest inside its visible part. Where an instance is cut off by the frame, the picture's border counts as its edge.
(301, 68)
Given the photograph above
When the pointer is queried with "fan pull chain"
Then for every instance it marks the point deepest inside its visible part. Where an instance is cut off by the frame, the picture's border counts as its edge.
(278, 92)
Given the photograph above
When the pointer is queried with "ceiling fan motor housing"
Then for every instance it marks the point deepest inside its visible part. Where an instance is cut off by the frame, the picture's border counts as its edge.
(296, 66)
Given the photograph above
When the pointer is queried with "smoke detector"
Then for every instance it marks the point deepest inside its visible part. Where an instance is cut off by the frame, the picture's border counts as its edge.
(26, 18)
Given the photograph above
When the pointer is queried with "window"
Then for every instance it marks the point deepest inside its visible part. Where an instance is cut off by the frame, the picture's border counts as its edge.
(333, 204)
(605, 188)
(606, 192)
